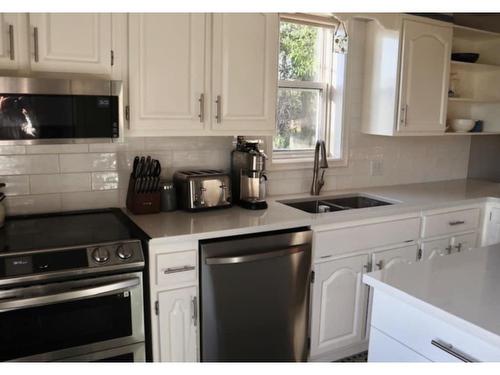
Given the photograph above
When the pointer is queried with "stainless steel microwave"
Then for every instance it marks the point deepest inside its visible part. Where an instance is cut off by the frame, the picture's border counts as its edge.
(57, 109)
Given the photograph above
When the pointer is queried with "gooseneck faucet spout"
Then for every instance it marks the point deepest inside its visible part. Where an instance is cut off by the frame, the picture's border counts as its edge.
(318, 181)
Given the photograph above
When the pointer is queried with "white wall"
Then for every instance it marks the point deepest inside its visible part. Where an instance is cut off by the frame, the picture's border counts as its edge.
(64, 177)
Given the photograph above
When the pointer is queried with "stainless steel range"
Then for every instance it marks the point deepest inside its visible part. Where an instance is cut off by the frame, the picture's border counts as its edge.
(71, 288)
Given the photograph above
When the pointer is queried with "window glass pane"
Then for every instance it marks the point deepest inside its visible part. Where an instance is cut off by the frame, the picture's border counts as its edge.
(298, 119)
(300, 52)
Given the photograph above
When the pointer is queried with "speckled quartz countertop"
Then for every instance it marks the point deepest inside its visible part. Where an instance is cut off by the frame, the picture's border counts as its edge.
(461, 288)
(224, 222)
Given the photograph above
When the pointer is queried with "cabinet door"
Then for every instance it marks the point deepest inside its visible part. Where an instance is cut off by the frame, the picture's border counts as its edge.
(493, 227)
(167, 73)
(71, 42)
(433, 248)
(464, 242)
(177, 325)
(388, 258)
(245, 70)
(425, 69)
(12, 32)
(339, 304)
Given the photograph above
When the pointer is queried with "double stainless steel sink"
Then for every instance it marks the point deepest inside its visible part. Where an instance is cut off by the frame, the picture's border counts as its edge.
(332, 204)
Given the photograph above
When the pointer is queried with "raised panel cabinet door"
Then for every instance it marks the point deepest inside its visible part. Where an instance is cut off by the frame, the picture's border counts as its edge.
(168, 89)
(12, 31)
(339, 304)
(464, 242)
(425, 69)
(71, 42)
(434, 248)
(177, 315)
(244, 72)
(388, 258)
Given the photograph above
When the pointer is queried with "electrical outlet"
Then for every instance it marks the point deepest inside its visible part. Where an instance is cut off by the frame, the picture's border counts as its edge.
(377, 168)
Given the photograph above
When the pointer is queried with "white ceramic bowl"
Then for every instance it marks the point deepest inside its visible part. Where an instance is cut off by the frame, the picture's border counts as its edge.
(462, 125)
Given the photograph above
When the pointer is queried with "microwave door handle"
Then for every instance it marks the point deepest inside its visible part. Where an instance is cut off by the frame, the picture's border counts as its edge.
(73, 295)
(254, 257)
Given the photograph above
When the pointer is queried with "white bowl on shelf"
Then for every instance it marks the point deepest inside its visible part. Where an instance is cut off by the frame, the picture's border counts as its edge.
(461, 125)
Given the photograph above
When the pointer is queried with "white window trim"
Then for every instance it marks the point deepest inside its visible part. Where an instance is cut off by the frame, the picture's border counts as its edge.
(341, 96)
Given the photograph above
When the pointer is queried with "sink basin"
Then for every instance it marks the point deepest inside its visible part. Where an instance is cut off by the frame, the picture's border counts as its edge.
(332, 204)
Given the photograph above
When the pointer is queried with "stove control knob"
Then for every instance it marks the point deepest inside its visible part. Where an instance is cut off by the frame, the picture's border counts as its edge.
(100, 255)
(124, 252)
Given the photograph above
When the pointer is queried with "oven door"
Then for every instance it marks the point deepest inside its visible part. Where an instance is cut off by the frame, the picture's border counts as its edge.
(129, 353)
(67, 319)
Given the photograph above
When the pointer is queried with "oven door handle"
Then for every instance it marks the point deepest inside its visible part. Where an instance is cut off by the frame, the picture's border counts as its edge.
(73, 295)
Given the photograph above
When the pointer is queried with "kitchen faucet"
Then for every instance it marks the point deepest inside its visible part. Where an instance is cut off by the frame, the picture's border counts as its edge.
(318, 182)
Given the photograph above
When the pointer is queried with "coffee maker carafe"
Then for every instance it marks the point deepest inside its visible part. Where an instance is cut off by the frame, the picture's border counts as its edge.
(248, 174)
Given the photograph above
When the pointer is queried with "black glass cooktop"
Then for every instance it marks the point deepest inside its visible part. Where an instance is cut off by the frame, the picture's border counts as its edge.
(37, 232)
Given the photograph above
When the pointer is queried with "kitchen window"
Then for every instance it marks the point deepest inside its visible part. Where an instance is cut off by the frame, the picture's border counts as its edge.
(310, 90)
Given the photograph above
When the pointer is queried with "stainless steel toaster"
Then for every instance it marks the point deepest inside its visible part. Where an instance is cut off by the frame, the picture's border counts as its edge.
(202, 189)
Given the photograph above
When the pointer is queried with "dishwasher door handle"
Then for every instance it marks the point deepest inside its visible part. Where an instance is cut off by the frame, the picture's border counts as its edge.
(255, 257)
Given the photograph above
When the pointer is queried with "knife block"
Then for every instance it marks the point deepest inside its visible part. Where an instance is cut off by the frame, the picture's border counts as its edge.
(142, 203)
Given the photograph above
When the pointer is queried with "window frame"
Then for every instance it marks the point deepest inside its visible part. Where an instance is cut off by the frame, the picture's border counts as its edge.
(334, 92)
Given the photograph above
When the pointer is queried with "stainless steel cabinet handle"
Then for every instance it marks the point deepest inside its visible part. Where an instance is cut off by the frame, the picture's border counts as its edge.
(72, 295)
(35, 42)
(448, 249)
(11, 42)
(368, 267)
(254, 257)
(218, 101)
(380, 264)
(448, 348)
(459, 247)
(458, 222)
(194, 311)
(166, 271)
(201, 100)
(406, 114)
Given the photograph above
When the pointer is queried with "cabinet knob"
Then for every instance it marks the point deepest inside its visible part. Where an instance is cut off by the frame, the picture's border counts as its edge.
(380, 264)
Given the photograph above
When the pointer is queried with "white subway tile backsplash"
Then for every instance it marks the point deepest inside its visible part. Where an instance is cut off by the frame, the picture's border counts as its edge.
(131, 144)
(59, 183)
(93, 199)
(105, 180)
(88, 162)
(12, 150)
(15, 185)
(29, 204)
(57, 148)
(28, 164)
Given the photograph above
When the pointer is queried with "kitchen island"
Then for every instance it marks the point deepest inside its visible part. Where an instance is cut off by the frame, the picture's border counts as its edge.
(446, 309)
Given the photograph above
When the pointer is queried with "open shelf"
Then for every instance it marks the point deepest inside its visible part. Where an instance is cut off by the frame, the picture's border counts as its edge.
(476, 66)
(472, 100)
(471, 34)
(469, 133)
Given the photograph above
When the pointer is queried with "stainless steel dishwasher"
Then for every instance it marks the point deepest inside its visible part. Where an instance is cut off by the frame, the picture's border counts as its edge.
(255, 297)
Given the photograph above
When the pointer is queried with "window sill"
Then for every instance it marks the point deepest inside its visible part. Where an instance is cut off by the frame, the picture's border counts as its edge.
(279, 164)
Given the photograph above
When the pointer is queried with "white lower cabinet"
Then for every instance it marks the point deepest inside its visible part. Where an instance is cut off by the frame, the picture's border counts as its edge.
(493, 227)
(384, 348)
(448, 245)
(338, 304)
(177, 318)
(385, 259)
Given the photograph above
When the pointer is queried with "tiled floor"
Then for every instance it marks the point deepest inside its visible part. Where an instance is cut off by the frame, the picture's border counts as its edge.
(360, 357)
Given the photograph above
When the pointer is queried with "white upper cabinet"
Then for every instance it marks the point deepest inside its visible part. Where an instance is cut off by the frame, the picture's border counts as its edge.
(201, 74)
(168, 81)
(12, 42)
(407, 64)
(70, 42)
(425, 70)
(245, 48)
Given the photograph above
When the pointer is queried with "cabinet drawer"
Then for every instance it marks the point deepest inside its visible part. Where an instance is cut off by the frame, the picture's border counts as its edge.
(385, 349)
(345, 240)
(176, 268)
(450, 222)
(417, 330)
